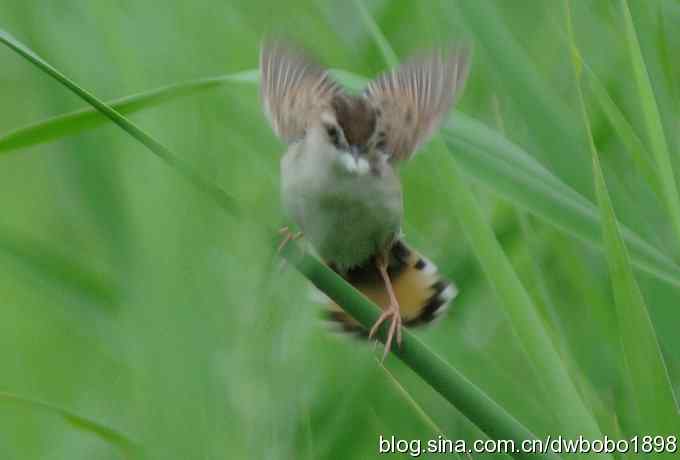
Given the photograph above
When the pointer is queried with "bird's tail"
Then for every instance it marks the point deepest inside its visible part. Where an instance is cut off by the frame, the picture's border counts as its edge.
(423, 294)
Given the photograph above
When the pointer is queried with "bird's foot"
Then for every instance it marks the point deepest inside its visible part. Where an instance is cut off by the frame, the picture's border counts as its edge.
(288, 236)
(392, 312)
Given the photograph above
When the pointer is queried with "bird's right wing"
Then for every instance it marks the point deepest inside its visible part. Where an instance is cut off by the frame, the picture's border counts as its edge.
(294, 89)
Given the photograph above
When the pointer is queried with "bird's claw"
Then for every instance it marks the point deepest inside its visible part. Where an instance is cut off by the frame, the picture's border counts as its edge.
(288, 236)
(394, 330)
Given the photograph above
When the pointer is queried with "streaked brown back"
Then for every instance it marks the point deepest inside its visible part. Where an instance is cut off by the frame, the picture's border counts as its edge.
(355, 116)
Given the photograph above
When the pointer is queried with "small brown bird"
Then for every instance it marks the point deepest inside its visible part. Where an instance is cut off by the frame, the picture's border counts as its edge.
(339, 180)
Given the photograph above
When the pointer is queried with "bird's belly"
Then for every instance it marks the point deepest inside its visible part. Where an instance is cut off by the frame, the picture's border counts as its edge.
(346, 220)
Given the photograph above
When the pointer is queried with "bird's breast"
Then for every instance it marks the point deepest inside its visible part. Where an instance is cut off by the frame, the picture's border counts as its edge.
(347, 218)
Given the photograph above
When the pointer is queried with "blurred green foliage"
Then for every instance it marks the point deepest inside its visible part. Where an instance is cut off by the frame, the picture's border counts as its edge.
(126, 297)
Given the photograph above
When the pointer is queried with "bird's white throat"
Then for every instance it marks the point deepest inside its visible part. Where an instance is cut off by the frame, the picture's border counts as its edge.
(353, 164)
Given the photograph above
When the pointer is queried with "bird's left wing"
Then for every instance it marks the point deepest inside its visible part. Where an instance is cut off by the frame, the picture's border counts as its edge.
(412, 99)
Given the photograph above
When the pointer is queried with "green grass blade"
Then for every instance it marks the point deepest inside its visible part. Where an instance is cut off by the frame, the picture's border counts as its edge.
(653, 399)
(444, 378)
(548, 115)
(129, 448)
(388, 53)
(574, 418)
(89, 118)
(538, 278)
(652, 118)
(153, 145)
(505, 169)
(410, 400)
(421, 414)
(623, 128)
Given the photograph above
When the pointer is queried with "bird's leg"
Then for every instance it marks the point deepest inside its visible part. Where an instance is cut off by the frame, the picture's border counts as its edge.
(392, 310)
(288, 236)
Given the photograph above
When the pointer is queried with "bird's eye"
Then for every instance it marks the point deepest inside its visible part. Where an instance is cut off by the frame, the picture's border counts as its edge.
(333, 135)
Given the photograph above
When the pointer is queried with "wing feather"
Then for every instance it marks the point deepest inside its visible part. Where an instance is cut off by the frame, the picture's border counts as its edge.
(412, 99)
(294, 89)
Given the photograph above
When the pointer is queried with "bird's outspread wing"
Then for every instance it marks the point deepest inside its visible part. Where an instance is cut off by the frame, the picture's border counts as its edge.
(294, 89)
(412, 99)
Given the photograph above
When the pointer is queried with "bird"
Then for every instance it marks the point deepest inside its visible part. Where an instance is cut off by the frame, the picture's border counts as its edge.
(340, 182)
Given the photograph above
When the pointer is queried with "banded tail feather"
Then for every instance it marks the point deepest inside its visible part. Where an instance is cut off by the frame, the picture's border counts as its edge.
(422, 292)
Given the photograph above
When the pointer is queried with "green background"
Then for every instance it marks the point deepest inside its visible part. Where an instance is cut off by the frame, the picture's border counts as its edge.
(127, 297)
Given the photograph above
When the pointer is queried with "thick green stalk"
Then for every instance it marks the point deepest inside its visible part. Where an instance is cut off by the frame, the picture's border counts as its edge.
(491, 418)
